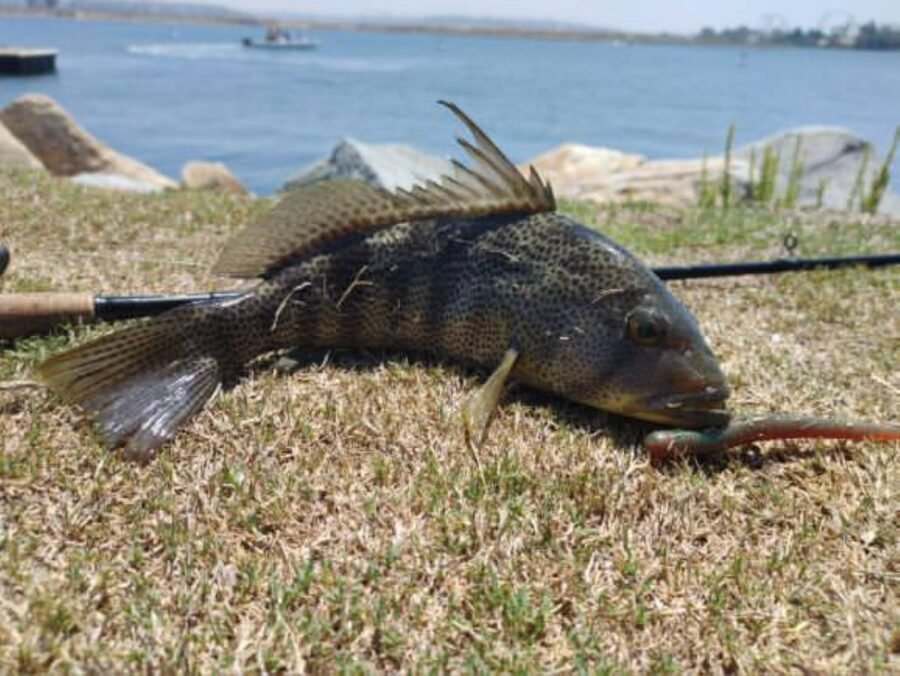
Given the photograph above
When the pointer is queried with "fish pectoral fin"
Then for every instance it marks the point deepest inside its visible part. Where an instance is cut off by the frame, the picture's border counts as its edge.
(326, 214)
(480, 406)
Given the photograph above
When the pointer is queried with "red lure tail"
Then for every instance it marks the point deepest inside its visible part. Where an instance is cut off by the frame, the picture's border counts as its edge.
(665, 444)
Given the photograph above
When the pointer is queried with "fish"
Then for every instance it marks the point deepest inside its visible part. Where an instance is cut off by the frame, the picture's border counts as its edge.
(478, 267)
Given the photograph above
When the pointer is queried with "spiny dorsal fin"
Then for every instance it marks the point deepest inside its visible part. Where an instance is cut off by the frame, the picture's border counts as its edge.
(309, 218)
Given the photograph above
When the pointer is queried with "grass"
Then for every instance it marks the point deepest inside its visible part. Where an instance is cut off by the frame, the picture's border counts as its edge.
(882, 178)
(725, 186)
(762, 185)
(332, 519)
(792, 189)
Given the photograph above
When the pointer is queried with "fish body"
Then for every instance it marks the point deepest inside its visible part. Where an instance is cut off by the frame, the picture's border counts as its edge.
(429, 272)
(556, 291)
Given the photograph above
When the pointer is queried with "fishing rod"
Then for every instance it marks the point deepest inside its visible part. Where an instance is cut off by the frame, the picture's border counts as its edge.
(24, 314)
(778, 265)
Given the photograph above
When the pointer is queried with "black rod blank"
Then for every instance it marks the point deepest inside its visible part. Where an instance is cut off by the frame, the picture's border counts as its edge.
(778, 265)
(4, 258)
(113, 308)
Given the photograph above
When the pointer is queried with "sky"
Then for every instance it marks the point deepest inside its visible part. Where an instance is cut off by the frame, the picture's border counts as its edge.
(681, 16)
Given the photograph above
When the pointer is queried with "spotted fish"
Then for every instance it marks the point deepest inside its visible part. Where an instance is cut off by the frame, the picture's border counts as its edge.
(478, 267)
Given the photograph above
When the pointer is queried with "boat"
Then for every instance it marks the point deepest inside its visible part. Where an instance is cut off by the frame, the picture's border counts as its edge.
(278, 38)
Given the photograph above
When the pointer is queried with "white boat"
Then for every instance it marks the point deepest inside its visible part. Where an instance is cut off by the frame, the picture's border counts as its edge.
(280, 39)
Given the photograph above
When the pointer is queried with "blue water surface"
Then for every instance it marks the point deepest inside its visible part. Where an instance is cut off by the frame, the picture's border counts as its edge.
(168, 93)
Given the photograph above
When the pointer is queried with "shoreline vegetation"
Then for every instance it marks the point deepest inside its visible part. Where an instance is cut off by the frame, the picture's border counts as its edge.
(868, 36)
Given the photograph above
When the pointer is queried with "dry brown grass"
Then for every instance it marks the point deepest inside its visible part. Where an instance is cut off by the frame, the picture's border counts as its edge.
(333, 519)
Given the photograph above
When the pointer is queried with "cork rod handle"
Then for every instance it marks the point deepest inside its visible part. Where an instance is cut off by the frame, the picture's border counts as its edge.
(25, 314)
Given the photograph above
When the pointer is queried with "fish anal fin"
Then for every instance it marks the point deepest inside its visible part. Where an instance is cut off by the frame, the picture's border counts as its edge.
(479, 408)
(324, 214)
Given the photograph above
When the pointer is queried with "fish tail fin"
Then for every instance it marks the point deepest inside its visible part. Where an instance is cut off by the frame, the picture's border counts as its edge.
(144, 382)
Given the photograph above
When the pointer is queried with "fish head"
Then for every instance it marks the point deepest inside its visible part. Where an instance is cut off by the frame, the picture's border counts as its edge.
(664, 371)
(623, 343)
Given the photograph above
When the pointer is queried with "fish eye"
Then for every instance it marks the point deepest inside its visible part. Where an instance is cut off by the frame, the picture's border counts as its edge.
(645, 327)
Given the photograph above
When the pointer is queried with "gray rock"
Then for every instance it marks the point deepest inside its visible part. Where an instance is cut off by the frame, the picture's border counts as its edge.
(831, 154)
(386, 165)
(107, 181)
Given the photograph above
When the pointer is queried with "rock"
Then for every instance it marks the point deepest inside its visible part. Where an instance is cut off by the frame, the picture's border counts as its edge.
(389, 166)
(197, 175)
(14, 154)
(64, 147)
(107, 181)
(604, 175)
(676, 182)
(572, 168)
(829, 154)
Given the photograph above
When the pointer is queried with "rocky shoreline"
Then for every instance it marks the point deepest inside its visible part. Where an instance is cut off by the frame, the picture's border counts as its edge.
(816, 167)
(36, 132)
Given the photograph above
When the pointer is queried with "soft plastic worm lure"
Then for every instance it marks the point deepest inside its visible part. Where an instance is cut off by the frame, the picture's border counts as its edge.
(668, 444)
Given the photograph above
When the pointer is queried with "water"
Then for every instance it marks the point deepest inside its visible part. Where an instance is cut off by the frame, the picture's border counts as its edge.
(168, 93)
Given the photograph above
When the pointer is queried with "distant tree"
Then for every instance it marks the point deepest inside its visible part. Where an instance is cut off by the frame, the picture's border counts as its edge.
(872, 36)
(815, 35)
(740, 34)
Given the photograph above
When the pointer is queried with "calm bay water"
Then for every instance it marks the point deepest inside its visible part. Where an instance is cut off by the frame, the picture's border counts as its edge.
(168, 93)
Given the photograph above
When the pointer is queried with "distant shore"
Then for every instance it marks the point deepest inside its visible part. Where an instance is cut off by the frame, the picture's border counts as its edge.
(484, 30)
(25, 13)
(887, 39)
(463, 29)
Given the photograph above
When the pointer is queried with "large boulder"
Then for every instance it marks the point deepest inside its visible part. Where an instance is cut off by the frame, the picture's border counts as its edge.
(572, 169)
(829, 154)
(603, 175)
(67, 149)
(677, 182)
(14, 154)
(388, 166)
(215, 176)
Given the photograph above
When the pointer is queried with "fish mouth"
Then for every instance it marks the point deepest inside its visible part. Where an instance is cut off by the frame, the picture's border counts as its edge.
(702, 408)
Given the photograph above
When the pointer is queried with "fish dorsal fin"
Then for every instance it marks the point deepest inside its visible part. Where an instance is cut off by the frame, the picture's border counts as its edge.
(309, 219)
